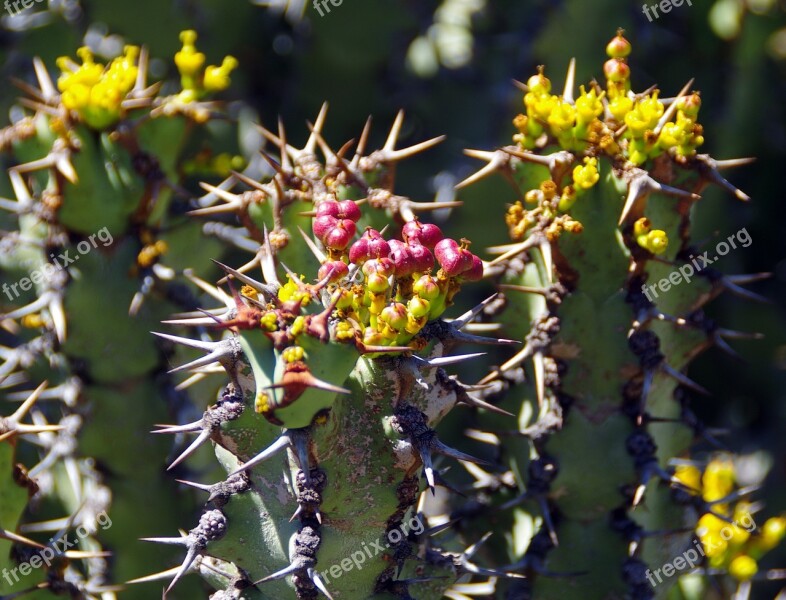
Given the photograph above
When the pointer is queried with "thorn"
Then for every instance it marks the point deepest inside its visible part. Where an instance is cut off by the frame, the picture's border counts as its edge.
(318, 583)
(193, 484)
(548, 263)
(155, 576)
(257, 285)
(471, 400)
(396, 155)
(191, 555)
(540, 376)
(683, 379)
(188, 428)
(316, 130)
(570, 80)
(320, 256)
(496, 160)
(671, 109)
(200, 439)
(445, 360)
(288, 570)
(709, 168)
(283, 441)
(48, 90)
(225, 351)
(728, 283)
(395, 130)
(520, 85)
(462, 321)
(206, 346)
(641, 185)
(734, 162)
(558, 163)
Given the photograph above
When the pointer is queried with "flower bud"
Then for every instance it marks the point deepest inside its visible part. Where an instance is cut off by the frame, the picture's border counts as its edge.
(426, 287)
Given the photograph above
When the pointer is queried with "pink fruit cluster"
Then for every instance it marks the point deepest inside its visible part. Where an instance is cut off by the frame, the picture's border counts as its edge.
(335, 226)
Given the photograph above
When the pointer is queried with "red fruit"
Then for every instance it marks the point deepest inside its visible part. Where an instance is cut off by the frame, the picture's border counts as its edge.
(329, 207)
(322, 225)
(358, 252)
(339, 237)
(453, 259)
(427, 234)
(336, 269)
(373, 246)
(401, 257)
(421, 257)
(347, 209)
(475, 272)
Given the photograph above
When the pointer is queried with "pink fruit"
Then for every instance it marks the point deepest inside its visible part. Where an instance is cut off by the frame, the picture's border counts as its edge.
(426, 234)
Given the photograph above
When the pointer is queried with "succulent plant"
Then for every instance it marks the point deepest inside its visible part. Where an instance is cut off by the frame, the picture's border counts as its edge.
(94, 258)
(322, 367)
(606, 182)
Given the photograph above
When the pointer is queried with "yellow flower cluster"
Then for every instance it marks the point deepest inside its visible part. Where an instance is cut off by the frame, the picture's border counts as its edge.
(654, 240)
(548, 201)
(733, 544)
(574, 125)
(196, 79)
(595, 119)
(96, 91)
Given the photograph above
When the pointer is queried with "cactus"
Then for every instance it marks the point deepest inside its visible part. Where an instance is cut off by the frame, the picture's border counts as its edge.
(98, 245)
(606, 182)
(336, 383)
(322, 375)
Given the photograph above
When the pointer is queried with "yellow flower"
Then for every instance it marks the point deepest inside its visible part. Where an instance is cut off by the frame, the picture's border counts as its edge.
(584, 177)
(196, 79)
(96, 91)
